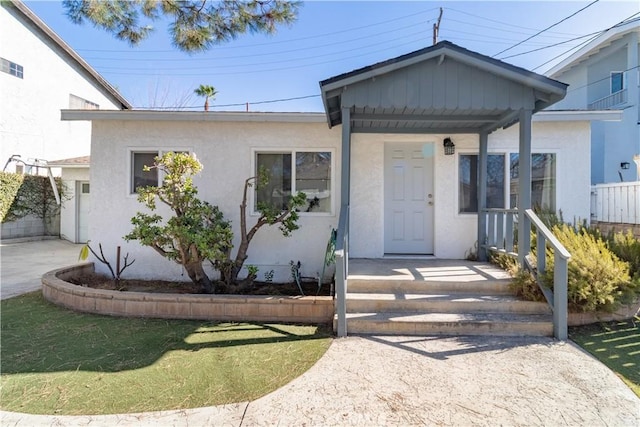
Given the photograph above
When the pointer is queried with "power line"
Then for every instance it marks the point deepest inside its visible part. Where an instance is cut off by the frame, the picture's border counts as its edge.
(549, 27)
(624, 21)
(282, 41)
(239, 104)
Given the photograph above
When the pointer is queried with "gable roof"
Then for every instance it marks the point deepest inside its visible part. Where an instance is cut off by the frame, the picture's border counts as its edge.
(596, 45)
(23, 13)
(520, 87)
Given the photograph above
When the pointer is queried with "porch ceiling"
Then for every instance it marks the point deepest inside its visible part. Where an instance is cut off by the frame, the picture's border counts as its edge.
(414, 120)
(440, 89)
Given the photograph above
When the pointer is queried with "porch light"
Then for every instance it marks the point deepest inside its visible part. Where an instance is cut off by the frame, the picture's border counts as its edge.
(449, 147)
(624, 165)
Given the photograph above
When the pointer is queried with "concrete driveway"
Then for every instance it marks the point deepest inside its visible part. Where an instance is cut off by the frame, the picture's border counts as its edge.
(22, 264)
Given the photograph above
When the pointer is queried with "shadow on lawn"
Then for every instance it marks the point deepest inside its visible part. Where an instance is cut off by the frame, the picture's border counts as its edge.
(40, 337)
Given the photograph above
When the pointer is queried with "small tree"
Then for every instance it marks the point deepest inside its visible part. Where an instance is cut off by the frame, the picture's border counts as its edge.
(269, 215)
(197, 231)
(207, 92)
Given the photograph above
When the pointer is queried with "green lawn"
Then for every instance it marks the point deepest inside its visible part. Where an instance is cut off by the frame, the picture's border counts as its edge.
(55, 361)
(616, 344)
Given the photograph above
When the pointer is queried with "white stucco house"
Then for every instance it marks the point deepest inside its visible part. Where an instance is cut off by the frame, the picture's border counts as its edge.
(40, 75)
(604, 75)
(397, 161)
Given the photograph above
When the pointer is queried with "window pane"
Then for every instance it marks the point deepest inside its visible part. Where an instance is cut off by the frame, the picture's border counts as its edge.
(468, 184)
(278, 191)
(616, 82)
(543, 181)
(313, 177)
(143, 178)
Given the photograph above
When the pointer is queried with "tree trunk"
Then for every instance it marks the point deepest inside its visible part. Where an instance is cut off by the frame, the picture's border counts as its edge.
(206, 104)
(199, 277)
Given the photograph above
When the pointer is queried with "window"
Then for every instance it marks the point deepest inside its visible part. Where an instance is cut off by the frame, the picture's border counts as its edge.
(77, 103)
(85, 188)
(468, 182)
(293, 172)
(140, 177)
(11, 68)
(543, 180)
(617, 81)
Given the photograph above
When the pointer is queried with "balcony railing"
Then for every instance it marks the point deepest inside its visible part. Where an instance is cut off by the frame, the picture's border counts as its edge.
(609, 101)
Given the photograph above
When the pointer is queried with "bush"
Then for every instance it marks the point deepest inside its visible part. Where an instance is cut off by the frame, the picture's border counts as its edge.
(598, 279)
(627, 248)
(9, 185)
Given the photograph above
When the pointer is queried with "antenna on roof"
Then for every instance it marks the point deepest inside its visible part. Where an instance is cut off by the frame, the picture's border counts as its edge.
(436, 28)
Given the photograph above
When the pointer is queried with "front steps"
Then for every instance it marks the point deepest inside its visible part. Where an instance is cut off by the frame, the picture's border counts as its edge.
(438, 297)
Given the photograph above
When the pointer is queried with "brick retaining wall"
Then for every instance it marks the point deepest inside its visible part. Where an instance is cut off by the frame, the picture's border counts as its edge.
(238, 308)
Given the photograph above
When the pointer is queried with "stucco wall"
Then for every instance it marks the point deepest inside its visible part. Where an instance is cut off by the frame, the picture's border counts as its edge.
(30, 122)
(226, 151)
(455, 233)
(69, 209)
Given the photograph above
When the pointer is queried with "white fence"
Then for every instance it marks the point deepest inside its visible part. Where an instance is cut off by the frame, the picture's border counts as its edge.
(616, 203)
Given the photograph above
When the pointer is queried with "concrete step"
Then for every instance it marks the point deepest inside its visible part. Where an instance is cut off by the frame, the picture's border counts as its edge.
(442, 303)
(500, 324)
(379, 286)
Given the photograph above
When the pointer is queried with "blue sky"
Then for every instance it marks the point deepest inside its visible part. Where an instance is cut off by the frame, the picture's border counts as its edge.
(329, 38)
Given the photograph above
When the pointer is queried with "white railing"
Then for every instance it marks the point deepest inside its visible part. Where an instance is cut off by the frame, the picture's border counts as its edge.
(609, 101)
(616, 203)
(342, 271)
(500, 237)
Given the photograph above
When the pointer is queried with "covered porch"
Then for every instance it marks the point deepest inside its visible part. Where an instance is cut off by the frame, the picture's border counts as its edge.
(434, 95)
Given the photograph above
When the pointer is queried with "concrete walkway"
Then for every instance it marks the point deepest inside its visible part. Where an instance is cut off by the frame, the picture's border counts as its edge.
(380, 381)
(22, 264)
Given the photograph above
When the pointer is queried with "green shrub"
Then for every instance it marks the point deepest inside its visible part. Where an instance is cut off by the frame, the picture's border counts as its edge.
(9, 185)
(627, 248)
(598, 279)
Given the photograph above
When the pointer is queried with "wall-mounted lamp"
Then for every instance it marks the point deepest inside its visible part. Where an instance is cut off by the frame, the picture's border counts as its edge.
(449, 147)
(624, 165)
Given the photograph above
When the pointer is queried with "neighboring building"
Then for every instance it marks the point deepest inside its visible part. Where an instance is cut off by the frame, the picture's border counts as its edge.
(604, 75)
(39, 76)
(404, 162)
(74, 213)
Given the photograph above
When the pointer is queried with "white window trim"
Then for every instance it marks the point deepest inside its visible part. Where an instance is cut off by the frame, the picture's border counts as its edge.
(160, 151)
(286, 150)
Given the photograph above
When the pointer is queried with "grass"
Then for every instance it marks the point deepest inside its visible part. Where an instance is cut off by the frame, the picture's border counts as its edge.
(55, 361)
(616, 344)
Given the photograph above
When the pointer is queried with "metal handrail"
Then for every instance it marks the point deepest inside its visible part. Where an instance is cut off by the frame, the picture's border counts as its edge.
(342, 270)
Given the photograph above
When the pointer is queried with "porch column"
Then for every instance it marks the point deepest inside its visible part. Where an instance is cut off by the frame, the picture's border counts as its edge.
(342, 243)
(482, 196)
(524, 185)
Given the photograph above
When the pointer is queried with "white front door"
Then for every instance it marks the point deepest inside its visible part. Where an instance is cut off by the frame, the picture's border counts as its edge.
(83, 194)
(408, 198)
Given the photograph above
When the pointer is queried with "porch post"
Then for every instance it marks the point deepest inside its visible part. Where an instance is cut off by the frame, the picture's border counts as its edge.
(342, 255)
(346, 157)
(482, 196)
(524, 185)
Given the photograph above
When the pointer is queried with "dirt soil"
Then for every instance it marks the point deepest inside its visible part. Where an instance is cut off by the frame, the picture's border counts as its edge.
(160, 286)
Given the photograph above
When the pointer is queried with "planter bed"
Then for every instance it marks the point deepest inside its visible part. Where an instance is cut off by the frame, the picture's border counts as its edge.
(237, 308)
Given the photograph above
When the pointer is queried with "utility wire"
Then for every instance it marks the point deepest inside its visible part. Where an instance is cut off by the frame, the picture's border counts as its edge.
(549, 27)
(623, 22)
(239, 104)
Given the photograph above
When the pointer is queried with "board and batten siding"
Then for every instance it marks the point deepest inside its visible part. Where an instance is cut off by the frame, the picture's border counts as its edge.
(419, 87)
